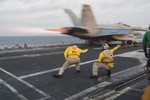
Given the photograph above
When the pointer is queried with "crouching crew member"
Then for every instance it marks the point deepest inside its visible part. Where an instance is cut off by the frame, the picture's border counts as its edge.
(105, 60)
(72, 56)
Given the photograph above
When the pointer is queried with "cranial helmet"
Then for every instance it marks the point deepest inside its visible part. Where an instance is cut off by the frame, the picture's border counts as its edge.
(74, 46)
(105, 46)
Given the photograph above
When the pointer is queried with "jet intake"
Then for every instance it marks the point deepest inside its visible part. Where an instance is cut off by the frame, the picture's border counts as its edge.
(124, 37)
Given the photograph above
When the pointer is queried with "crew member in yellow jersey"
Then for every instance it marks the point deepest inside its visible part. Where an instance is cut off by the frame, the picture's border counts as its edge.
(72, 56)
(146, 94)
(105, 60)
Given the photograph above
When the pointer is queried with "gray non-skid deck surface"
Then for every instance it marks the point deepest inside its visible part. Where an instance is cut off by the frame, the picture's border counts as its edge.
(49, 59)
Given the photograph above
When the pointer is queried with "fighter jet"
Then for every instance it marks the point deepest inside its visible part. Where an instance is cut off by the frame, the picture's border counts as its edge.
(87, 28)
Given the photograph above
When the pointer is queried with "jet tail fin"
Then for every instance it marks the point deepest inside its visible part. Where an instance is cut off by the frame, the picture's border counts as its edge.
(88, 19)
(74, 18)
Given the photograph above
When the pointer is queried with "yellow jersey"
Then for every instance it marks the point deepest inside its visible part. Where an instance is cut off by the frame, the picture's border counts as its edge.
(73, 52)
(107, 56)
(146, 95)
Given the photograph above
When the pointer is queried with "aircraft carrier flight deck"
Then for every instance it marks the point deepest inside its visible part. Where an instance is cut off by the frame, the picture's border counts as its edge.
(27, 75)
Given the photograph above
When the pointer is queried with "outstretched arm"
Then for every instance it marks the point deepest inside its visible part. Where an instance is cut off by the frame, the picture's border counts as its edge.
(115, 48)
(83, 51)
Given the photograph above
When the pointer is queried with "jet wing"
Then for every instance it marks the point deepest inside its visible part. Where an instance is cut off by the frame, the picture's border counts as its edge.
(105, 32)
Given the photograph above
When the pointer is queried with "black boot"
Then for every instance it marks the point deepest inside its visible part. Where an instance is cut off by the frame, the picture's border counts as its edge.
(94, 76)
(77, 71)
(108, 73)
(57, 75)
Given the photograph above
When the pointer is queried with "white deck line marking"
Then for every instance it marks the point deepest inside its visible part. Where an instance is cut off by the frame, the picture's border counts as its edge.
(32, 55)
(99, 79)
(100, 85)
(101, 96)
(1, 81)
(119, 93)
(99, 48)
(138, 90)
(38, 73)
(56, 69)
(52, 70)
(120, 73)
(44, 98)
(26, 83)
(13, 90)
(29, 55)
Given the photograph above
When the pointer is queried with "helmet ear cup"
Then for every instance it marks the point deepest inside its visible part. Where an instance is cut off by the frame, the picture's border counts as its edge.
(106, 46)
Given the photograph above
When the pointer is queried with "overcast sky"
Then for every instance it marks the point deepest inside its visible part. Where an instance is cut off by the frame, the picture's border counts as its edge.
(30, 17)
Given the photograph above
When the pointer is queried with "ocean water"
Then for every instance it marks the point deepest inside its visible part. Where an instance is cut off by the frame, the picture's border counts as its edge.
(38, 40)
(41, 40)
